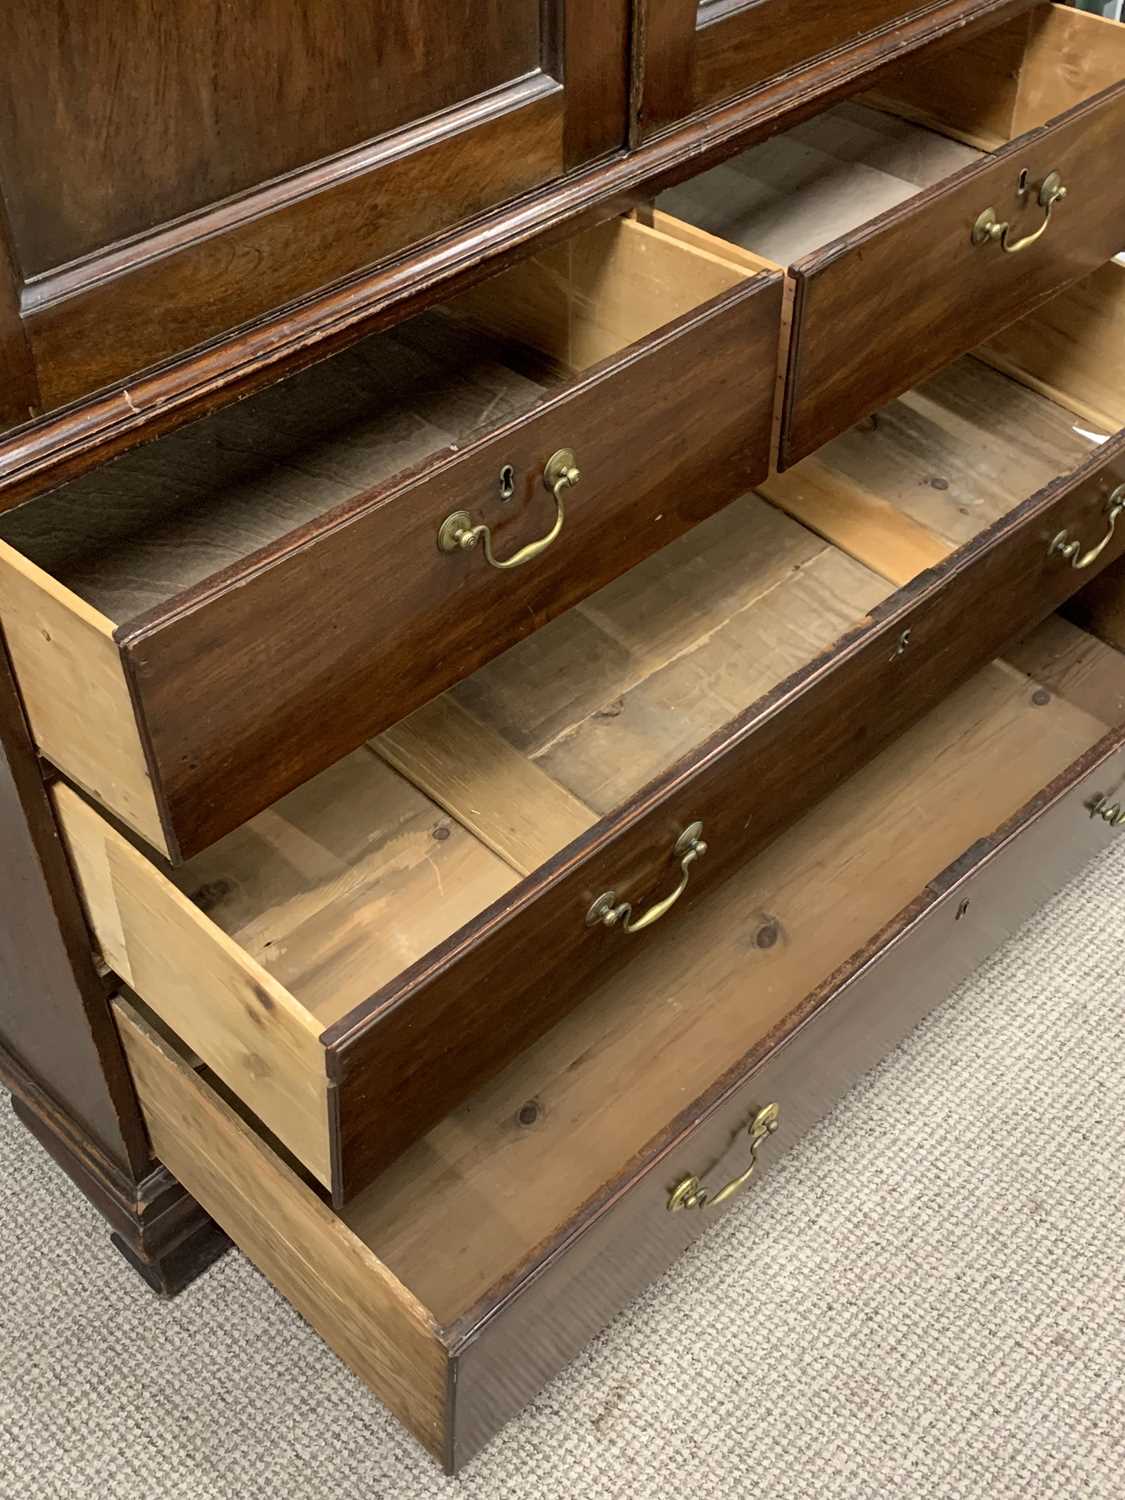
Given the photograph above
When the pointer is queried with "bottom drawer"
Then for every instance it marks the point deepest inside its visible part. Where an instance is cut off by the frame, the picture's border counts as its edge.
(483, 1259)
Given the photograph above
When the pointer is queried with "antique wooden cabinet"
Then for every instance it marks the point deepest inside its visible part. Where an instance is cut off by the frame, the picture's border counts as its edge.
(531, 542)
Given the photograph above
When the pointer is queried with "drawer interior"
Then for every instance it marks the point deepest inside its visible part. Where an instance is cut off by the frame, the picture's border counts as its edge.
(884, 171)
(807, 186)
(167, 518)
(489, 1193)
(327, 899)
(904, 488)
(403, 842)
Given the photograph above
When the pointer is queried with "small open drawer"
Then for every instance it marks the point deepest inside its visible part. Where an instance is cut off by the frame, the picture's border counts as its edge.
(358, 958)
(894, 232)
(207, 622)
(479, 1264)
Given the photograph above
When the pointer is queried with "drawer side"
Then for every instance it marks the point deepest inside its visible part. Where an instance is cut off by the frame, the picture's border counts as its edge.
(369, 1318)
(226, 1007)
(72, 682)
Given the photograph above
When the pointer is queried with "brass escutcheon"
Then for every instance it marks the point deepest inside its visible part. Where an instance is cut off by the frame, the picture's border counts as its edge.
(458, 534)
(691, 1193)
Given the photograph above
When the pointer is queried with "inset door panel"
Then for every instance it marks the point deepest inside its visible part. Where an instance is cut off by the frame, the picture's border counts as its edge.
(697, 54)
(172, 172)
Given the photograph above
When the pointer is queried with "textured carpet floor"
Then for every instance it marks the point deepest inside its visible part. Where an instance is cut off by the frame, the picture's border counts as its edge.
(923, 1300)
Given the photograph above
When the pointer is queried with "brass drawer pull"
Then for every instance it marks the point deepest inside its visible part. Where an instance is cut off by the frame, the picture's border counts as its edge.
(458, 534)
(1070, 547)
(690, 1193)
(1111, 812)
(606, 912)
(990, 230)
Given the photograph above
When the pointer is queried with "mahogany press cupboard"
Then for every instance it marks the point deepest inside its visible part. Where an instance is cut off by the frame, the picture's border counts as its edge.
(561, 584)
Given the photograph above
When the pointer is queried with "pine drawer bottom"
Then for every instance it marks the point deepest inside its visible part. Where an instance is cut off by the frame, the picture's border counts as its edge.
(481, 1262)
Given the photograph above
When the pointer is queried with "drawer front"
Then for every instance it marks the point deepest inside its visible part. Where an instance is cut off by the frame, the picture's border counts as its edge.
(248, 689)
(455, 1384)
(881, 309)
(842, 1030)
(533, 953)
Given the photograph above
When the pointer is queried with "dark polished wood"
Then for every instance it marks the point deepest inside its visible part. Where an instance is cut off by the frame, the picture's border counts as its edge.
(882, 308)
(153, 1221)
(60, 1054)
(284, 146)
(72, 441)
(624, 1240)
(252, 683)
(394, 1070)
(54, 1011)
(19, 394)
(239, 96)
(693, 56)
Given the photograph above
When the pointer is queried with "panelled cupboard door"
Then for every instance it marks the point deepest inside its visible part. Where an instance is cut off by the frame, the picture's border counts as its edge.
(172, 169)
(696, 54)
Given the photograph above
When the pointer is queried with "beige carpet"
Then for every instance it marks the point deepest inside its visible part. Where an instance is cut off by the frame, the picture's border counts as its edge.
(924, 1300)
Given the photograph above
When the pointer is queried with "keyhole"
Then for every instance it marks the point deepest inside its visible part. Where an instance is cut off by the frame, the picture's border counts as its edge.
(1021, 185)
(507, 482)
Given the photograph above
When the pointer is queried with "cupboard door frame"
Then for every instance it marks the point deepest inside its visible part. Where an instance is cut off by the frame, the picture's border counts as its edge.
(136, 301)
(697, 55)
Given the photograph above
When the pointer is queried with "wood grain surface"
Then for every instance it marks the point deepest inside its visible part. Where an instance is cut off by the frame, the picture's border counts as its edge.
(745, 784)
(64, 444)
(881, 309)
(261, 678)
(371, 1319)
(414, 1279)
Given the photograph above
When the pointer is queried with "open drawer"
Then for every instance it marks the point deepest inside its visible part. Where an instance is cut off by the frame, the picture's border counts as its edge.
(495, 1248)
(909, 244)
(207, 622)
(358, 958)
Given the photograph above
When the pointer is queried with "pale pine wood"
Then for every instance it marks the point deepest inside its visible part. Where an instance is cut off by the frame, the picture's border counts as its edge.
(346, 881)
(1083, 669)
(858, 521)
(373, 1322)
(819, 180)
(74, 691)
(468, 1203)
(588, 658)
(903, 489)
(1071, 55)
(497, 793)
(691, 234)
(601, 291)
(679, 704)
(227, 1008)
(1073, 349)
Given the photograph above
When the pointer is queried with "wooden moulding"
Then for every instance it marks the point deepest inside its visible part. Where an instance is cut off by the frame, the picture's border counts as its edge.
(70, 442)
